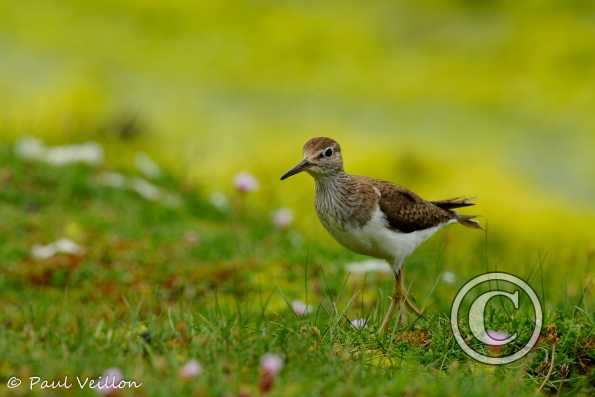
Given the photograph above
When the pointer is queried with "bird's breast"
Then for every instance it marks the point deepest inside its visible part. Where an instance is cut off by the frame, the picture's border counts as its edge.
(366, 238)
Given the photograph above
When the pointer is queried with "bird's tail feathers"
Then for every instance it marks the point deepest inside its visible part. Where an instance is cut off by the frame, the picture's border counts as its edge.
(456, 202)
(469, 221)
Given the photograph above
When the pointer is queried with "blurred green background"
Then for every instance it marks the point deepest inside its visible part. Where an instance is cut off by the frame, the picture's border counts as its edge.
(483, 98)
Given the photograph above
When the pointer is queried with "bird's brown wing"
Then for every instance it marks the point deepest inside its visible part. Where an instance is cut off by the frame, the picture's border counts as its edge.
(406, 212)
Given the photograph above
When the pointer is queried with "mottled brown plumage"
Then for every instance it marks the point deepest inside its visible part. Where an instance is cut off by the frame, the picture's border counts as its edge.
(406, 211)
(374, 217)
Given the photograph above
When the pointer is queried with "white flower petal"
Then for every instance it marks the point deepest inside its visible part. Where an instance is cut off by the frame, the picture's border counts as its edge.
(113, 179)
(67, 246)
(369, 265)
(43, 251)
(62, 246)
(359, 323)
(219, 201)
(33, 149)
(449, 277)
(30, 149)
(147, 166)
(300, 308)
(145, 188)
(90, 153)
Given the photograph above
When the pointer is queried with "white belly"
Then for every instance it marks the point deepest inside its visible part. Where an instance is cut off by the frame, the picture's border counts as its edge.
(375, 239)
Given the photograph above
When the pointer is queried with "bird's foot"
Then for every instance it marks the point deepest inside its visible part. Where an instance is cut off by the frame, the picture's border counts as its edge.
(413, 308)
(396, 308)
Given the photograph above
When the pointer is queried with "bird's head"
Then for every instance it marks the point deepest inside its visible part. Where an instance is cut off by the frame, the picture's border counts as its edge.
(322, 157)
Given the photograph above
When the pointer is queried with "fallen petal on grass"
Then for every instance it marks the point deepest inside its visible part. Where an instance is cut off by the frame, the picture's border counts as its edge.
(359, 323)
(141, 186)
(145, 188)
(219, 201)
(30, 149)
(62, 246)
(147, 166)
(113, 179)
(34, 149)
(43, 251)
(68, 246)
(90, 153)
(369, 265)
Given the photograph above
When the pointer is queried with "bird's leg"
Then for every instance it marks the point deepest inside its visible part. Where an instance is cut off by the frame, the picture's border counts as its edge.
(396, 303)
(408, 302)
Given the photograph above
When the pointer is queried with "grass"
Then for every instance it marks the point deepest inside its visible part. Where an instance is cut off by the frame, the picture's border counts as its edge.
(158, 285)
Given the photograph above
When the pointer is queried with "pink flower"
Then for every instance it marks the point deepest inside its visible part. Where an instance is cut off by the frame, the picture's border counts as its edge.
(300, 308)
(245, 182)
(191, 369)
(282, 218)
(497, 338)
(108, 385)
(358, 323)
(271, 364)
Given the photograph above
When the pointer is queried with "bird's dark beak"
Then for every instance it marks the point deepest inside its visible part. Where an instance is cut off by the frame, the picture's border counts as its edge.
(303, 165)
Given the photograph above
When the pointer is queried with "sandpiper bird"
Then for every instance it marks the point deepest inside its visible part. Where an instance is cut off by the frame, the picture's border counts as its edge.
(374, 217)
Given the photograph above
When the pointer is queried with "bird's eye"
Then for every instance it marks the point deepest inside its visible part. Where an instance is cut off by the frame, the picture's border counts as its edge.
(328, 152)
